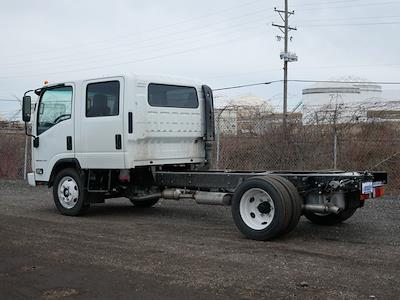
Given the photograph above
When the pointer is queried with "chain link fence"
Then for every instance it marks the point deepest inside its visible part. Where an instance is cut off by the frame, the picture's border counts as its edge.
(14, 150)
(330, 138)
(249, 138)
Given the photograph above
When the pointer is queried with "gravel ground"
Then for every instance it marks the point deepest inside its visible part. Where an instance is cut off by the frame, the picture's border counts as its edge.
(180, 250)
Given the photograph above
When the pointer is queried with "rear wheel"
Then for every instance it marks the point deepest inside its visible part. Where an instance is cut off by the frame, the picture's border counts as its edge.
(330, 219)
(260, 208)
(68, 193)
(295, 199)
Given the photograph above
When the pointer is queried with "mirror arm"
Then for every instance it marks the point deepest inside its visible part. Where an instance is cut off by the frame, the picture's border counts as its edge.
(28, 92)
(28, 134)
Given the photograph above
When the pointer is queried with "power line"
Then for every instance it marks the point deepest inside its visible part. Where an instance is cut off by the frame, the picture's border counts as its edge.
(325, 3)
(239, 38)
(190, 50)
(304, 68)
(177, 23)
(350, 6)
(348, 18)
(225, 30)
(192, 31)
(344, 81)
(291, 80)
(201, 17)
(346, 66)
(97, 66)
(308, 81)
(158, 28)
(350, 24)
(246, 85)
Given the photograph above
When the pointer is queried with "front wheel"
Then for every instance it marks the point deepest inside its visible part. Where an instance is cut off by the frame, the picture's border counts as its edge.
(330, 219)
(68, 193)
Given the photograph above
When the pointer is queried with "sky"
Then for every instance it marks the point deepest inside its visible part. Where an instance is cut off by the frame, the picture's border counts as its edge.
(222, 43)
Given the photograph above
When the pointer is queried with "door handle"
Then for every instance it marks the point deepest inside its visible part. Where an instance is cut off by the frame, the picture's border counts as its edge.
(118, 142)
(69, 142)
(130, 122)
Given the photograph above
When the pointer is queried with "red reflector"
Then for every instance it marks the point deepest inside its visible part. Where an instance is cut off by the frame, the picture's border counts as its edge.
(379, 191)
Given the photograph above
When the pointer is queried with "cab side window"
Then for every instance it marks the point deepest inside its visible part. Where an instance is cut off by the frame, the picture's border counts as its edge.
(163, 95)
(54, 107)
(102, 99)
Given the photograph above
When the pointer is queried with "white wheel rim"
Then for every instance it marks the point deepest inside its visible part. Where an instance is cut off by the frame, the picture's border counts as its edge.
(68, 192)
(257, 209)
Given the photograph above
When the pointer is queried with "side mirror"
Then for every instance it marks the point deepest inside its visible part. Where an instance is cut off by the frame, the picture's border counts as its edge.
(26, 108)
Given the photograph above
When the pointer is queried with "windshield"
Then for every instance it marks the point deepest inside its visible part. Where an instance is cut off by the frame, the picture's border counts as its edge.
(54, 107)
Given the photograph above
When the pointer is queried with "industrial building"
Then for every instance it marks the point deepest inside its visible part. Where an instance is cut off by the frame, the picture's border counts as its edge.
(355, 101)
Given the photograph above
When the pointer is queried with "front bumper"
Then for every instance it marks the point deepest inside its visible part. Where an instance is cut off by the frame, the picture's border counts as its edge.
(31, 179)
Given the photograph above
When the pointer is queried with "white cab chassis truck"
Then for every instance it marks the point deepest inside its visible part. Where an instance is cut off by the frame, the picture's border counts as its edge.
(151, 137)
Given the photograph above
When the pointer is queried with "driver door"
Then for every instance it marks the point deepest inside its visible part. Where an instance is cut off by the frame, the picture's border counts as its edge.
(55, 129)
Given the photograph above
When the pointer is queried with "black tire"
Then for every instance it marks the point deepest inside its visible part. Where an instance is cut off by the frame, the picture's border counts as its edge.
(330, 219)
(73, 181)
(281, 206)
(295, 199)
(144, 203)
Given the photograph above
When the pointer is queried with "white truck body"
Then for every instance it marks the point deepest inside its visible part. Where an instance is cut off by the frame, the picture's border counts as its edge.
(150, 137)
(160, 135)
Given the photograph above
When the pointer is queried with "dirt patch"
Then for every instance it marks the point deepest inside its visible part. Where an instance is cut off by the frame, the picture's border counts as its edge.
(180, 250)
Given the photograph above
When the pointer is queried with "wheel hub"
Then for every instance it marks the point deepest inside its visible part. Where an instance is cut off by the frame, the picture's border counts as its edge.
(68, 192)
(257, 209)
(264, 207)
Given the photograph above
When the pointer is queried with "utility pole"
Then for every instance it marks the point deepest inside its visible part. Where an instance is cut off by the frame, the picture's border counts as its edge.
(285, 55)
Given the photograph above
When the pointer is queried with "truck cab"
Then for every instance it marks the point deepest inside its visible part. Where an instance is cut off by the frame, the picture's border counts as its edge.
(120, 122)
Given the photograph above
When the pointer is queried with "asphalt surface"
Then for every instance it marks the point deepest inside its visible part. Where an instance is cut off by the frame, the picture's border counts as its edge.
(180, 250)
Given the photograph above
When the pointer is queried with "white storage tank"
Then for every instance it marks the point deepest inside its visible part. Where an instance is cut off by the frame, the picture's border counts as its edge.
(325, 97)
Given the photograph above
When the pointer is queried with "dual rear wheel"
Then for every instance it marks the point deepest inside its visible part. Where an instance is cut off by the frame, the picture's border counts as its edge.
(266, 207)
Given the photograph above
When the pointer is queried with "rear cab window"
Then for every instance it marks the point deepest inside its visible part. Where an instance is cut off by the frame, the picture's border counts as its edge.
(163, 95)
(102, 99)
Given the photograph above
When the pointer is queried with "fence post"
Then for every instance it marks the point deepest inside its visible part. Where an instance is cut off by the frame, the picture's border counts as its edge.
(25, 156)
(218, 145)
(335, 150)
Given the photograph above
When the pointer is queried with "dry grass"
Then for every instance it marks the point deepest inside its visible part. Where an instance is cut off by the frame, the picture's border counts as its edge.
(12, 146)
(372, 146)
(359, 147)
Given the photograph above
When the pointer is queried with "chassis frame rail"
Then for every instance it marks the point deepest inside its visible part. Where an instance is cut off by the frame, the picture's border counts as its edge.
(305, 181)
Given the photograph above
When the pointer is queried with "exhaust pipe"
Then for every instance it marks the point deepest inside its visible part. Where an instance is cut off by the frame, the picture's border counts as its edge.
(147, 197)
(322, 208)
(210, 198)
(165, 194)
